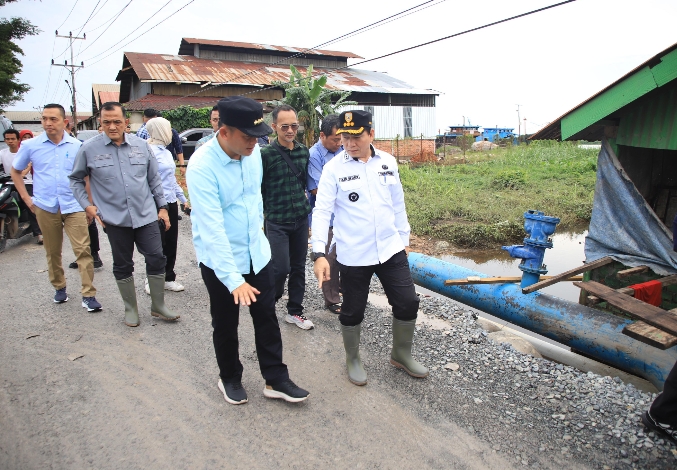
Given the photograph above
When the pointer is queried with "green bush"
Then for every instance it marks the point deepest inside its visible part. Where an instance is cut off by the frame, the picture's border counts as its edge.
(185, 117)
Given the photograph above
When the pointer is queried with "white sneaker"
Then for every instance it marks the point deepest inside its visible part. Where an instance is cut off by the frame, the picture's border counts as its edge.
(147, 287)
(300, 321)
(173, 286)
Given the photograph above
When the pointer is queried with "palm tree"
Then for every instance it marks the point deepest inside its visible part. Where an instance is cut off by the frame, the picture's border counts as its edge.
(311, 100)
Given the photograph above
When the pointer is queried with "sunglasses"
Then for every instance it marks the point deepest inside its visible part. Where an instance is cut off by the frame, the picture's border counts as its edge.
(285, 127)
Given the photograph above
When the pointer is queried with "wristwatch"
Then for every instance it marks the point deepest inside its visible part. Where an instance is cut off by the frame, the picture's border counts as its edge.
(316, 254)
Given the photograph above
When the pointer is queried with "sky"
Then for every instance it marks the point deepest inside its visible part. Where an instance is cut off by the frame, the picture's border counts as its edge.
(546, 63)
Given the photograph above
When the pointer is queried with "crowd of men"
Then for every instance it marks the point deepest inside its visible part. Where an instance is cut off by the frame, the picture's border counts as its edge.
(254, 204)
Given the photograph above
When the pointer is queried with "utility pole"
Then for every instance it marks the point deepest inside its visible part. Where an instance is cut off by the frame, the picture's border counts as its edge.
(525, 130)
(72, 67)
(519, 124)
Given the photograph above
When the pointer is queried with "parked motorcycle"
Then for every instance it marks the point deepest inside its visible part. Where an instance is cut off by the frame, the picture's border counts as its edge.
(14, 222)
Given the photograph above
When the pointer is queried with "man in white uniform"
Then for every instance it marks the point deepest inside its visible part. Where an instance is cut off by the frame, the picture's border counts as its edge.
(361, 186)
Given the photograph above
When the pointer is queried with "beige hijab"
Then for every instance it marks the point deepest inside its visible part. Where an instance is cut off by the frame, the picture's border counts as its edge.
(160, 131)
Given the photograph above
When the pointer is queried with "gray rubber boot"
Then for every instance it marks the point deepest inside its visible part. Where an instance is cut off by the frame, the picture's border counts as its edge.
(351, 343)
(400, 357)
(128, 293)
(156, 283)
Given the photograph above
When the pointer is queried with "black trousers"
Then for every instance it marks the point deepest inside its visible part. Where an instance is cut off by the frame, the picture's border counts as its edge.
(398, 285)
(148, 242)
(664, 407)
(225, 320)
(93, 237)
(170, 240)
(32, 219)
(289, 248)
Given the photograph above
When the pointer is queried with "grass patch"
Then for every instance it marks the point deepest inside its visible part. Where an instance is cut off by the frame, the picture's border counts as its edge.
(481, 204)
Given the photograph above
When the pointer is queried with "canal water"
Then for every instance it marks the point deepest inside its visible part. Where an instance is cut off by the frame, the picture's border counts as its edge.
(566, 253)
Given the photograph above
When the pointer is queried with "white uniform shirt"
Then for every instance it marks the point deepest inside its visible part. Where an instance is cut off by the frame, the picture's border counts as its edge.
(370, 221)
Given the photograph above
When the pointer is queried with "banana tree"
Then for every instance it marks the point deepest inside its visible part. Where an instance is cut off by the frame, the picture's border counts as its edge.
(311, 99)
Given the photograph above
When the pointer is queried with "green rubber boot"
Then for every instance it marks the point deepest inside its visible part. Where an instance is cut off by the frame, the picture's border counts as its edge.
(128, 293)
(351, 342)
(400, 357)
(156, 283)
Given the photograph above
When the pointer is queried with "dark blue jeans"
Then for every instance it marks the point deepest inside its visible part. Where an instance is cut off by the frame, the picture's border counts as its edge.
(289, 248)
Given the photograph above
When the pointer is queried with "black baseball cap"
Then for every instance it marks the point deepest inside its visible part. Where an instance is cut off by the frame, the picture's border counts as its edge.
(244, 114)
(354, 122)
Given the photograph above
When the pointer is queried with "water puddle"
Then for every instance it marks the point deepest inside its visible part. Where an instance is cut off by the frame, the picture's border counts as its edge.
(566, 253)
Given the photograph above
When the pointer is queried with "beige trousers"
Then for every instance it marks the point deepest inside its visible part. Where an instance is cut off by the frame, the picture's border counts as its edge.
(75, 225)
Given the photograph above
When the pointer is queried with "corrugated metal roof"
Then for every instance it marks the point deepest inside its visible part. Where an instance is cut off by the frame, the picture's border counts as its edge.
(164, 103)
(651, 122)
(106, 88)
(106, 96)
(189, 69)
(262, 47)
(554, 129)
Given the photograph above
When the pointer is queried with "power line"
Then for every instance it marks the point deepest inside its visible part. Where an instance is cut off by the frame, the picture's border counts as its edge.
(368, 27)
(135, 29)
(137, 37)
(78, 33)
(522, 15)
(69, 15)
(111, 24)
(92, 15)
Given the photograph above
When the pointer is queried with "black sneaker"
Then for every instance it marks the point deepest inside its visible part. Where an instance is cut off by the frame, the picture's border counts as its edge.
(233, 392)
(669, 431)
(286, 390)
(73, 265)
(97, 262)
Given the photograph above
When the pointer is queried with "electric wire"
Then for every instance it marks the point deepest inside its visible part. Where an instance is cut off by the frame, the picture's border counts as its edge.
(78, 33)
(132, 32)
(111, 24)
(69, 15)
(145, 32)
(92, 15)
(396, 16)
(488, 25)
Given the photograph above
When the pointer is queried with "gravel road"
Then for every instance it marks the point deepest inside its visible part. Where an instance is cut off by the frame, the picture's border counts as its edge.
(146, 397)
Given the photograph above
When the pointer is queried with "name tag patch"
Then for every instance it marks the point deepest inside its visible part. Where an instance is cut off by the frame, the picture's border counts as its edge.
(386, 173)
(344, 179)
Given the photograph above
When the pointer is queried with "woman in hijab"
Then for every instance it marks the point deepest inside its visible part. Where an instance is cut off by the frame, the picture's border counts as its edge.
(25, 135)
(160, 132)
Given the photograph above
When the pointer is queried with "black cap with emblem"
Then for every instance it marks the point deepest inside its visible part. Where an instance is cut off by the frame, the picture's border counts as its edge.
(354, 122)
(244, 114)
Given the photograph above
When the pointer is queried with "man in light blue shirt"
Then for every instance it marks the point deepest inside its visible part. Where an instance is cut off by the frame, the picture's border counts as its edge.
(52, 155)
(224, 181)
(321, 153)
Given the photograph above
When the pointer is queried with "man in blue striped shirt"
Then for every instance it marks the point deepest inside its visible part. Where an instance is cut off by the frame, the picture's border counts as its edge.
(224, 180)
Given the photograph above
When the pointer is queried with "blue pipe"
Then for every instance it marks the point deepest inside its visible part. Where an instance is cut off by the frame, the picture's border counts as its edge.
(593, 332)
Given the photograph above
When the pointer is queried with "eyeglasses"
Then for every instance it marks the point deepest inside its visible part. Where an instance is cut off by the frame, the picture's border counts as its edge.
(285, 127)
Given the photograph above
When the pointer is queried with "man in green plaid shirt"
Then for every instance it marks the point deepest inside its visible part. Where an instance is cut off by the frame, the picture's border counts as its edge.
(286, 210)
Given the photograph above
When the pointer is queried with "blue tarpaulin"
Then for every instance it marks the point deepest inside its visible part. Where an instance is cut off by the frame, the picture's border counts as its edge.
(623, 225)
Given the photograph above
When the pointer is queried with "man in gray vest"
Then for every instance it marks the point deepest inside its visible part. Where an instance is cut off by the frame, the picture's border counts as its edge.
(128, 200)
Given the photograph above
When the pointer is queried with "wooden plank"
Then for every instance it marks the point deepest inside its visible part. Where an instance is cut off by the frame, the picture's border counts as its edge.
(635, 308)
(650, 335)
(495, 280)
(566, 275)
(631, 271)
(666, 281)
